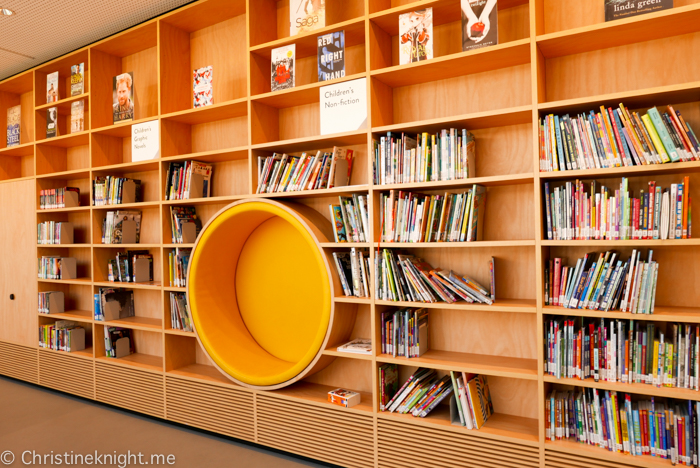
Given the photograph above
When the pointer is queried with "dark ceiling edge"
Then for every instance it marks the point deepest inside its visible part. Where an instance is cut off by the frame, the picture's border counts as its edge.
(98, 40)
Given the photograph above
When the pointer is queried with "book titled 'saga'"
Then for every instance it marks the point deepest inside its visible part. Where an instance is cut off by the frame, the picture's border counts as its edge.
(416, 36)
(306, 15)
(331, 56)
(283, 67)
(202, 86)
(618, 9)
(14, 115)
(479, 23)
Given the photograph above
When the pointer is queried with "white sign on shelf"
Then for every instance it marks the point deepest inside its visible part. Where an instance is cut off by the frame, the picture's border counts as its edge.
(344, 106)
(145, 143)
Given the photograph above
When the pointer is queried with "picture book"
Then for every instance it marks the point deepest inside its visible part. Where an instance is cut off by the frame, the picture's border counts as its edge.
(357, 346)
(123, 97)
(282, 72)
(479, 23)
(343, 397)
(77, 83)
(618, 9)
(52, 87)
(331, 56)
(388, 384)
(77, 116)
(202, 86)
(306, 15)
(416, 36)
(14, 116)
(51, 122)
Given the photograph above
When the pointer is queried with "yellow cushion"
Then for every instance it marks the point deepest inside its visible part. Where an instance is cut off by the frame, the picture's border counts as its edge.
(259, 294)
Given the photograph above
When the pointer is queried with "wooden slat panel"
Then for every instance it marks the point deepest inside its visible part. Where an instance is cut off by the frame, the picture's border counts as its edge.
(132, 389)
(555, 459)
(227, 411)
(398, 447)
(325, 434)
(67, 373)
(19, 362)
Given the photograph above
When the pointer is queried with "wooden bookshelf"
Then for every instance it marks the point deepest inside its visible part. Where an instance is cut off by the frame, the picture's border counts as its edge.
(549, 60)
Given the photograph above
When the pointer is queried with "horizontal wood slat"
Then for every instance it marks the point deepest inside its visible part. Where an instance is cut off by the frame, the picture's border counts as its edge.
(67, 373)
(132, 389)
(19, 362)
(554, 459)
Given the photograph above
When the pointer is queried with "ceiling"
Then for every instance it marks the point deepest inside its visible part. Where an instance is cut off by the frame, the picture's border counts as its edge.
(41, 30)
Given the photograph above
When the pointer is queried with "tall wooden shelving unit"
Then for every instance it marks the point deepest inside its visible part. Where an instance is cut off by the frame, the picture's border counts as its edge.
(554, 56)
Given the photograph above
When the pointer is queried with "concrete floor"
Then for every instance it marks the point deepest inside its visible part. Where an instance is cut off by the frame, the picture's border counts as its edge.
(40, 420)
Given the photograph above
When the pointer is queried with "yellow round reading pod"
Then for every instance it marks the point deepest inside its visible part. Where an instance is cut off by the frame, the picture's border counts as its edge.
(260, 292)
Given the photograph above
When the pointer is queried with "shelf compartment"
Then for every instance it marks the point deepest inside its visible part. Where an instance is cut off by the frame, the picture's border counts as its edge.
(149, 348)
(71, 153)
(132, 51)
(79, 300)
(201, 372)
(299, 95)
(112, 147)
(317, 395)
(147, 173)
(195, 37)
(19, 90)
(81, 254)
(205, 209)
(61, 65)
(636, 388)
(78, 179)
(63, 119)
(103, 255)
(184, 357)
(150, 225)
(50, 319)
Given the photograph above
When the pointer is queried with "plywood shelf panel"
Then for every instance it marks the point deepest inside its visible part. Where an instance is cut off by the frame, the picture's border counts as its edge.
(314, 142)
(614, 458)
(65, 102)
(116, 284)
(126, 206)
(127, 167)
(86, 353)
(456, 245)
(79, 315)
(622, 243)
(201, 372)
(66, 175)
(317, 394)
(526, 306)
(299, 95)
(71, 281)
(339, 191)
(661, 314)
(138, 360)
(136, 323)
(64, 210)
(511, 179)
(219, 111)
(68, 140)
(121, 129)
(637, 388)
(333, 351)
(627, 171)
(25, 149)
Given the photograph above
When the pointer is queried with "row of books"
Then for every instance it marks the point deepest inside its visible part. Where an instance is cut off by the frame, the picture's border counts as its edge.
(405, 332)
(47, 298)
(472, 399)
(77, 73)
(127, 267)
(180, 215)
(664, 355)
(52, 199)
(285, 173)
(62, 335)
(113, 335)
(180, 317)
(419, 395)
(667, 430)
(353, 270)
(121, 227)
(53, 268)
(114, 304)
(109, 190)
(603, 284)
(446, 155)
(188, 179)
(615, 138)
(77, 119)
(49, 233)
(408, 278)
(178, 261)
(414, 217)
(350, 219)
(572, 213)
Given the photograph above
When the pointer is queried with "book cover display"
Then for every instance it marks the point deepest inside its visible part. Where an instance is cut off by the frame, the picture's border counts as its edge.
(52, 87)
(283, 67)
(14, 116)
(123, 97)
(77, 72)
(331, 56)
(618, 9)
(416, 36)
(479, 23)
(51, 122)
(306, 15)
(77, 116)
(202, 86)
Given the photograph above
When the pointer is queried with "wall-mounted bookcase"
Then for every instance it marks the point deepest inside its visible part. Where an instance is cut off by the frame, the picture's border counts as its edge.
(554, 56)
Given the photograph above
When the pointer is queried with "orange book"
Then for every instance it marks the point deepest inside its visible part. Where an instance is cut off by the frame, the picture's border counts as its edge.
(686, 192)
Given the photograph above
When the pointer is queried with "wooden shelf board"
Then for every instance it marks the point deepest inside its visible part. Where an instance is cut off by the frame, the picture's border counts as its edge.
(69, 140)
(622, 243)
(202, 372)
(66, 281)
(18, 151)
(642, 28)
(136, 323)
(455, 245)
(333, 351)
(155, 285)
(513, 367)
(64, 210)
(661, 314)
(300, 95)
(206, 201)
(526, 306)
(65, 102)
(575, 448)
(126, 246)
(499, 426)
(317, 394)
(194, 17)
(172, 331)
(646, 170)
(182, 246)
(121, 129)
(141, 361)
(131, 41)
(67, 175)
(79, 315)
(352, 300)
(306, 42)
(124, 206)
(343, 245)
(127, 167)
(19, 84)
(227, 154)
(64, 246)
(174, 289)
(490, 181)
(206, 114)
(316, 142)
(509, 54)
(474, 121)
(340, 191)
(639, 98)
(637, 388)
(86, 353)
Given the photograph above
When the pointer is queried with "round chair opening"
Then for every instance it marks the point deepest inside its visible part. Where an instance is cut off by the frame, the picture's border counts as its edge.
(260, 293)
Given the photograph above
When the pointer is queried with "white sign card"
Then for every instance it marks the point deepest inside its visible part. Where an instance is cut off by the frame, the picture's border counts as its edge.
(145, 143)
(344, 106)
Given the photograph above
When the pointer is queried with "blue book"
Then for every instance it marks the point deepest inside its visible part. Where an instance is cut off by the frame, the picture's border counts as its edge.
(331, 56)
(98, 305)
(547, 203)
(625, 149)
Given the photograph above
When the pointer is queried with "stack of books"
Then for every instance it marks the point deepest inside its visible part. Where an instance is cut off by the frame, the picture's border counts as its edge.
(112, 226)
(56, 268)
(62, 335)
(182, 215)
(446, 155)
(605, 283)
(52, 199)
(284, 173)
(49, 232)
(178, 261)
(353, 270)
(45, 299)
(572, 213)
(180, 317)
(109, 190)
(408, 278)
(124, 268)
(405, 332)
(660, 354)
(350, 219)
(413, 217)
(615, 138)
(472, 398)
(188, 179)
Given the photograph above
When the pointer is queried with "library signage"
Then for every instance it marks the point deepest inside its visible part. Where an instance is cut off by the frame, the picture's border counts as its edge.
(344, 106)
